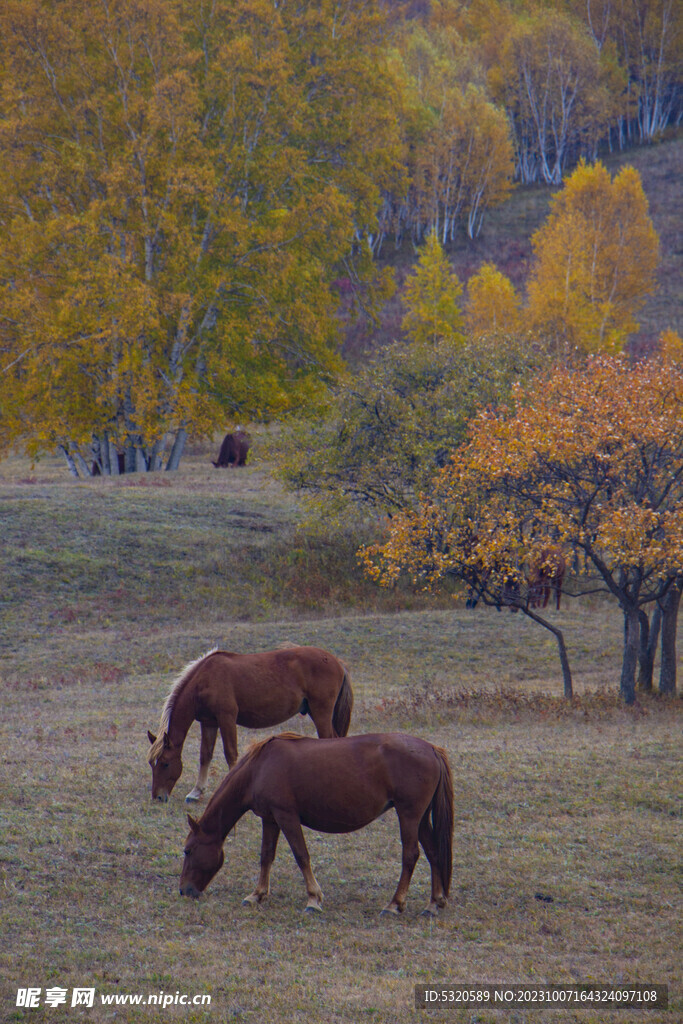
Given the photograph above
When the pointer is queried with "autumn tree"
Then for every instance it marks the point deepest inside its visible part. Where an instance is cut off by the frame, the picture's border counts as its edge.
(648, 35)
(464, 165)
(589, 460)
(596, 258)
(458, 150)
(571, 75)
(671, 346)
(432, 297)
(180, 184)
(393, 421)
(493, 306)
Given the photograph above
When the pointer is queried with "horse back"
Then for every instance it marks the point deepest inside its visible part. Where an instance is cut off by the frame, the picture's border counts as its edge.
(266, 688)
(340, 785)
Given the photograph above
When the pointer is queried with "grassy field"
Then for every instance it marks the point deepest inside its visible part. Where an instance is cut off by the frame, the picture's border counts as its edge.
(567, 815)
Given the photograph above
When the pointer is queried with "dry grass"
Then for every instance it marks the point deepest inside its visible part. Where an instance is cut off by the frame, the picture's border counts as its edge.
(567, 816)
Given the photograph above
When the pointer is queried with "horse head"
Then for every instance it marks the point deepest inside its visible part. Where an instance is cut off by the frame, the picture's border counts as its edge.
(167, 766)
(203, 858)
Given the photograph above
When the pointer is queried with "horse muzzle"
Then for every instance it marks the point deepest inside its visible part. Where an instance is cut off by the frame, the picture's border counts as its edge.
(161, 797)
(190, 890)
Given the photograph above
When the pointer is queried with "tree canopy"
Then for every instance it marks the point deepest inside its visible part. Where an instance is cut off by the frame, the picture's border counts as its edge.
(180, 183)
(590, 460)
(391, 425)
(596, 259)
(493, 306)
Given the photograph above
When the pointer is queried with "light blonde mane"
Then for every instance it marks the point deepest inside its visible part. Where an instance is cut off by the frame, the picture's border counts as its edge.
(170, 703)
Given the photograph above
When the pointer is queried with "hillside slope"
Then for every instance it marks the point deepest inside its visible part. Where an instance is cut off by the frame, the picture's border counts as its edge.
(505, 240)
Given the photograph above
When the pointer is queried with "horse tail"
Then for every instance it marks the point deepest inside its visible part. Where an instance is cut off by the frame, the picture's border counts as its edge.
(341, 716)
(442, 820)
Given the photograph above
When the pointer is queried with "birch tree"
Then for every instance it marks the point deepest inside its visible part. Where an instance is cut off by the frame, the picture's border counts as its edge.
(596, 258)
(181, 184)
(549, 81)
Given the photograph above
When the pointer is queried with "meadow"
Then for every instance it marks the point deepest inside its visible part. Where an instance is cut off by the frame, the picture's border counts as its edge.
(567, 814)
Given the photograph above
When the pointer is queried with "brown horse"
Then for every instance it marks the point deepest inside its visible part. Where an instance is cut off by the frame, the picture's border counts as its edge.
(223, 690)
(234, 449)
(331, 786)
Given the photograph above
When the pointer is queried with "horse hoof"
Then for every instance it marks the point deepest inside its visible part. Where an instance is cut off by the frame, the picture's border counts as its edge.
(392, 911)
(312, 908)
(194, 796)
(430, 912)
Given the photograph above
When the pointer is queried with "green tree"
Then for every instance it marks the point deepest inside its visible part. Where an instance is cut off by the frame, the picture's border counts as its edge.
(180, 184)
(394, 422)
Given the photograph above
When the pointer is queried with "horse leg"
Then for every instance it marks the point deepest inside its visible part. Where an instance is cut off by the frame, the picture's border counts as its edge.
(426, 838)
(321, 716)
(269, 838)
(291, 827)
(208, 742)
(228, 727)
(410, 856)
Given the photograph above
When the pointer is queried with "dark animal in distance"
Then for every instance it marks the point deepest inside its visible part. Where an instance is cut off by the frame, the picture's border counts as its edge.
(333, 786)
(223, 690)
(546, 574)
(234, 450)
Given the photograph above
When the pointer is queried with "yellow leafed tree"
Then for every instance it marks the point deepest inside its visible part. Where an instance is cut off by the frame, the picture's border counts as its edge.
(493, 306)
(180, 186)
(589, 461)
(596, 260)
(432, 298)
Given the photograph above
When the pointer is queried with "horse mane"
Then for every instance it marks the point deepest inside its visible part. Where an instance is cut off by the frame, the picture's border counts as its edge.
(251, 754)
(257, 748)
(170, 703)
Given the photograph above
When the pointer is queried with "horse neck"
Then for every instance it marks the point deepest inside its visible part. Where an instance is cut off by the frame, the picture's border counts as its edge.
(228, 804)
(182, 715)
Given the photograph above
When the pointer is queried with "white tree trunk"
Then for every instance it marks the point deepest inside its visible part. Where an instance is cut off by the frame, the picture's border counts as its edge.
(177, 450)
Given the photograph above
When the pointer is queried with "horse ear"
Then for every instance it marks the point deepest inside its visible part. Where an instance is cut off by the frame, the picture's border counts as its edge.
(151, 737)
(167, 742)
(194, 825)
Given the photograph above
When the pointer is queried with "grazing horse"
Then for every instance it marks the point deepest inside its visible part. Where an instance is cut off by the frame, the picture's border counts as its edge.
(234, 450)
(546, 573)
(223, 690)
(337, 785)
